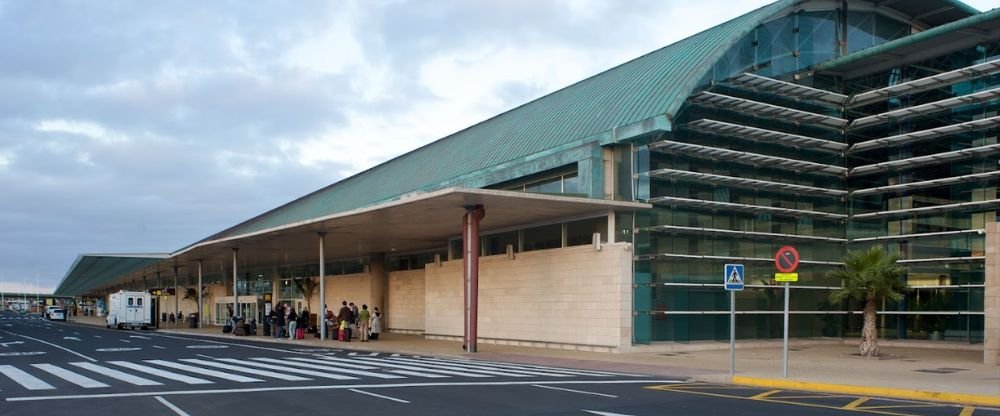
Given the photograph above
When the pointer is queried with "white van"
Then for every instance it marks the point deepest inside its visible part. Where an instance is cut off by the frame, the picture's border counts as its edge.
(129, 310)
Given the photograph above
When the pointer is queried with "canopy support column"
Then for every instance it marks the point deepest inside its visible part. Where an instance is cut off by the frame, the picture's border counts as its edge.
(236, 305)
(470, 239)
(321, 321)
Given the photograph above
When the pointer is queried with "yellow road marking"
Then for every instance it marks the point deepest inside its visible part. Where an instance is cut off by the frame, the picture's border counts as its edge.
(671, 387)
(967, 411)
(968, 399)
(764, 394)
(814, 396)
(906, 406)
(857, 402)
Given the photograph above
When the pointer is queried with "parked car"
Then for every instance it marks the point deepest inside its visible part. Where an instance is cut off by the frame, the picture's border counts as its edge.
(48, 311)
(57, 315)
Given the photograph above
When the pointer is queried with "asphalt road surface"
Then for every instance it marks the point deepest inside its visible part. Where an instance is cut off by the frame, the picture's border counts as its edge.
(52, 368)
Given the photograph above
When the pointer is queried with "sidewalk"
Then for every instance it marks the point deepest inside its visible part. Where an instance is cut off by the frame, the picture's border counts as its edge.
(912, 373)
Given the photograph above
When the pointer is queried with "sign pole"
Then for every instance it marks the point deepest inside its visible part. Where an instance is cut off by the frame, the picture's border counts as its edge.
(785, 349)
(732, 333)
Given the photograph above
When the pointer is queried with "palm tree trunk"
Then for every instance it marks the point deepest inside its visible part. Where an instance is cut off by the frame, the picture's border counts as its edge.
(869, 335)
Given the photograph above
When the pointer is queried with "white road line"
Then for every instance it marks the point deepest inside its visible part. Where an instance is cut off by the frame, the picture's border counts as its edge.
(380, 396)
(518, 367)
(315, 365)
(118, 375)
(576, 391)
(78, 379)
(466, 369)
(253, 371)
(231, 343)
(474, 366)
(414, 368)
(159, 347)
(171, 406)
(416, 374)
(54, 345)
(157, 372)
(205, 356)
(289, 370)
(205, 371)
(29, 381)
(337, 387)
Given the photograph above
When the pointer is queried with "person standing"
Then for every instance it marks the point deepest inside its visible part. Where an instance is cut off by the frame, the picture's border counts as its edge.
(363, 318)
(279, 321)
(376, 324)
(353, 323)
(293, 321)
(344, 318)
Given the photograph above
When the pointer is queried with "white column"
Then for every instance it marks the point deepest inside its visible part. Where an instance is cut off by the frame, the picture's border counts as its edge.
(236, 306)
(322, 288)
(200, 307)
(177, 297)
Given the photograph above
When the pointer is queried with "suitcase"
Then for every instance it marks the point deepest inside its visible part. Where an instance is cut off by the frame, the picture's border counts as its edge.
(227, 329)
(340, 334)
(300, 333)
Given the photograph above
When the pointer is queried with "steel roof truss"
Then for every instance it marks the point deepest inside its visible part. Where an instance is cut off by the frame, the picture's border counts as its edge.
(744, 182)
(757, 159)
(927, 83)
(925, 109)
(762, 135)
(767, 110)
(919, 161)
(759, 83)
(966, 127)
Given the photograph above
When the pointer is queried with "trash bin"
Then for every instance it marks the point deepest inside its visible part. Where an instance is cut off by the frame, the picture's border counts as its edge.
(193, 320)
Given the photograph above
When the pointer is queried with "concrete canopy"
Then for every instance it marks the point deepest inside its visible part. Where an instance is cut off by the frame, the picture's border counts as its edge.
(412, 223)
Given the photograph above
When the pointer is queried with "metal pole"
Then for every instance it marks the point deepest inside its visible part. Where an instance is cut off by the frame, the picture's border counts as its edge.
(235, 294)
(322, 288)
(732, 333)
(784, 367)
(199, 295)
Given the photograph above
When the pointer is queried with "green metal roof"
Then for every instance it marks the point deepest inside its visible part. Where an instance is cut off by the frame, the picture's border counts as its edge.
(93, 271)
(653, 85)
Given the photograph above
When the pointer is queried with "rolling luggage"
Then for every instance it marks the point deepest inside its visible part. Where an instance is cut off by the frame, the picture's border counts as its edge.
(340, 334)
(300, 333)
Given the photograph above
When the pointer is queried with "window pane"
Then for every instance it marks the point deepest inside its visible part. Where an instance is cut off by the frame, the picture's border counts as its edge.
(540, 238)
(581, 232)
(497, 243)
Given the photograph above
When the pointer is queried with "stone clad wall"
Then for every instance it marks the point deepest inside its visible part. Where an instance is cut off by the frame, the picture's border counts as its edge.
(574, 296)
(406, 300)
(991, 301)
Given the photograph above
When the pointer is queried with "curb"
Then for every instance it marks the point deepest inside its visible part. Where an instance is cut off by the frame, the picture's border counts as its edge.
(934, 396)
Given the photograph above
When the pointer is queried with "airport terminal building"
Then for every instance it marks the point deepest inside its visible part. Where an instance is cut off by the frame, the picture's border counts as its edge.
(599, 217)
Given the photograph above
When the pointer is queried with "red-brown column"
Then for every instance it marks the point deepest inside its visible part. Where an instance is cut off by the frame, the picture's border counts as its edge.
(470, 241)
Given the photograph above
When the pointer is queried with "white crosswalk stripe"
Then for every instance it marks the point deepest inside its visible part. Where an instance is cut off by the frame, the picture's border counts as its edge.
(29, 381)
(160, 373)
(288, 369)
(592, 373)
(518, 367)
(414, 368)
(204, 371)
(118, 375)
(78, 379)
(254, 371)
(466, 370)
(472, 366)
(305, 362)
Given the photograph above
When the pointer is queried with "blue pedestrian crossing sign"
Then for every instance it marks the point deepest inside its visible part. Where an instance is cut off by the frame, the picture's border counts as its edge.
(733, 277)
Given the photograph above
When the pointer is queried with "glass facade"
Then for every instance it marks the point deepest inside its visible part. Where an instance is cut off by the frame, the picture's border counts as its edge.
(748, 169)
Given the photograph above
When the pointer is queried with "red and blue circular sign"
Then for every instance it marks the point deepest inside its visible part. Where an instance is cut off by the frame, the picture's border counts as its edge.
(787, 259)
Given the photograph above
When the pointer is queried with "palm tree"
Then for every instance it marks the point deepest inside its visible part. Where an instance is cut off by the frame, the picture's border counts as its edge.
(868, 277)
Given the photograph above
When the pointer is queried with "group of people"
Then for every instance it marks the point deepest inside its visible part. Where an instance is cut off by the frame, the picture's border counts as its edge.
(285, 322)
(351, 321)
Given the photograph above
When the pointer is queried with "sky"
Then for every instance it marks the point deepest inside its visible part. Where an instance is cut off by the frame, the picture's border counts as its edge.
(142, 127)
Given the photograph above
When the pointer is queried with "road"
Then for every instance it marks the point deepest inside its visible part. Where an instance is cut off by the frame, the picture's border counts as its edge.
(65, 368)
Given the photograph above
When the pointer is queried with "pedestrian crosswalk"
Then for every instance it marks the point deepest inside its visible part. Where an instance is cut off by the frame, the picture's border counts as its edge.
(322, 368)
